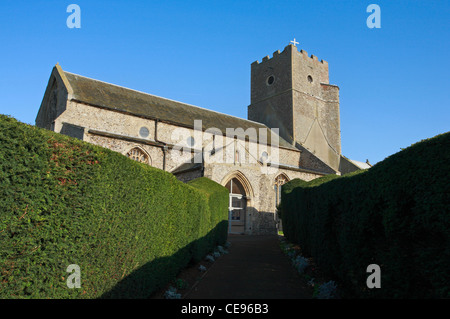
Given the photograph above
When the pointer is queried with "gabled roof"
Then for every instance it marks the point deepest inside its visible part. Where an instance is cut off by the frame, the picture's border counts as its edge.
(117, 98)
(361, 165)
(347, 165)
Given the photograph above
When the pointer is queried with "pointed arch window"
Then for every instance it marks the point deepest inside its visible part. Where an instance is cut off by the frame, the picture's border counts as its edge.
(237, 157)
(138, 155)
(280, 180)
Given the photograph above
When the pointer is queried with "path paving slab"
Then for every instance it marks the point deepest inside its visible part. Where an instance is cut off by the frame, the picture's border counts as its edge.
(254, 268)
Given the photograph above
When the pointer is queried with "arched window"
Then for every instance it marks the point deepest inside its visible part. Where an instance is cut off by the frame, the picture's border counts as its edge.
(237, 157)
(138, 155)
(280, 180)
(235, 187)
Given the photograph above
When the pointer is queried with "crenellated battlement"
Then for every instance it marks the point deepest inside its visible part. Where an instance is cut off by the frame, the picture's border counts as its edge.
(291, 48)
(291, 90)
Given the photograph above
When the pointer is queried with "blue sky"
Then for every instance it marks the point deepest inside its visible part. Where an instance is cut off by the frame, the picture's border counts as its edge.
(394, 81)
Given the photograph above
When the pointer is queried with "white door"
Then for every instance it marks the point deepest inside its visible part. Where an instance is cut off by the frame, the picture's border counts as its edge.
(236, 207)
(236, 220)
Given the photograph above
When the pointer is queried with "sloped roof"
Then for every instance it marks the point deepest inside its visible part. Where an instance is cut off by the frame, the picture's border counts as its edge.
(189, 166)
(117, 98)
(360, 164)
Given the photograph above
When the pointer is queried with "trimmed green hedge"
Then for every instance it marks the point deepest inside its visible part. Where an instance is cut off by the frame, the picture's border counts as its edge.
(396, 215)
(130, 227)
(217, 198)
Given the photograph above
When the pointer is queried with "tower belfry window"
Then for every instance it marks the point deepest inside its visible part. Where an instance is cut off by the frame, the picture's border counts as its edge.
(310, 79)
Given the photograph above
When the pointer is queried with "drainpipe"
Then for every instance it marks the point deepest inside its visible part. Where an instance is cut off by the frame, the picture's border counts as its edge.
(164, 147)
(203, 162)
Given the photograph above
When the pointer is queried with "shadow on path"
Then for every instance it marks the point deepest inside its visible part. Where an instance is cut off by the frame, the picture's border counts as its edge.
(255, 268)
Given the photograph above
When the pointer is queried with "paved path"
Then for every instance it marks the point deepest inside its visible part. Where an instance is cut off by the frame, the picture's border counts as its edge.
(255, 268)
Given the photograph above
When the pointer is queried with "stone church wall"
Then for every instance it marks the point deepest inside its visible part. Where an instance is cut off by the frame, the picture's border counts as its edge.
(261, 218)
(155, 153)
(120, 132)
(104, 120)
(53, 104)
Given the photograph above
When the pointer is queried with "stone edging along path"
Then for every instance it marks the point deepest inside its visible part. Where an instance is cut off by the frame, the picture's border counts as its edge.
(252, 267)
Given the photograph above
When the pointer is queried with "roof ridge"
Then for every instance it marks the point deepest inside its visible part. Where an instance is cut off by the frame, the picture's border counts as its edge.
(167, 99)
(210, 117)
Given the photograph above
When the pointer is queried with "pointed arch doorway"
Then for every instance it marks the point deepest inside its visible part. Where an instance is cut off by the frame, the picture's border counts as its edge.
(237, 207)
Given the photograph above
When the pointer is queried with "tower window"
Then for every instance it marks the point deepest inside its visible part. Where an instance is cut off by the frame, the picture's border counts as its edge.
(270, 80)
(310, 79)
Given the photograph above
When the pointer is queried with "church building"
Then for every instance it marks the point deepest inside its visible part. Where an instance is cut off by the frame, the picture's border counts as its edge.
(292, 131)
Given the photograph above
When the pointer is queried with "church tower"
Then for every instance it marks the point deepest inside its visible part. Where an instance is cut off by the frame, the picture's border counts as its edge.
(291, 91)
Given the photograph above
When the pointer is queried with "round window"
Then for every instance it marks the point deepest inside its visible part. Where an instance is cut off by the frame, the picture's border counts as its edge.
(264, 157)
(143, 132)
(190, 141)
(270, 80)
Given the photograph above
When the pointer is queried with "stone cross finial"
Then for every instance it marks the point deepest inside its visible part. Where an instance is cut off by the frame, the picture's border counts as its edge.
(294, 42)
